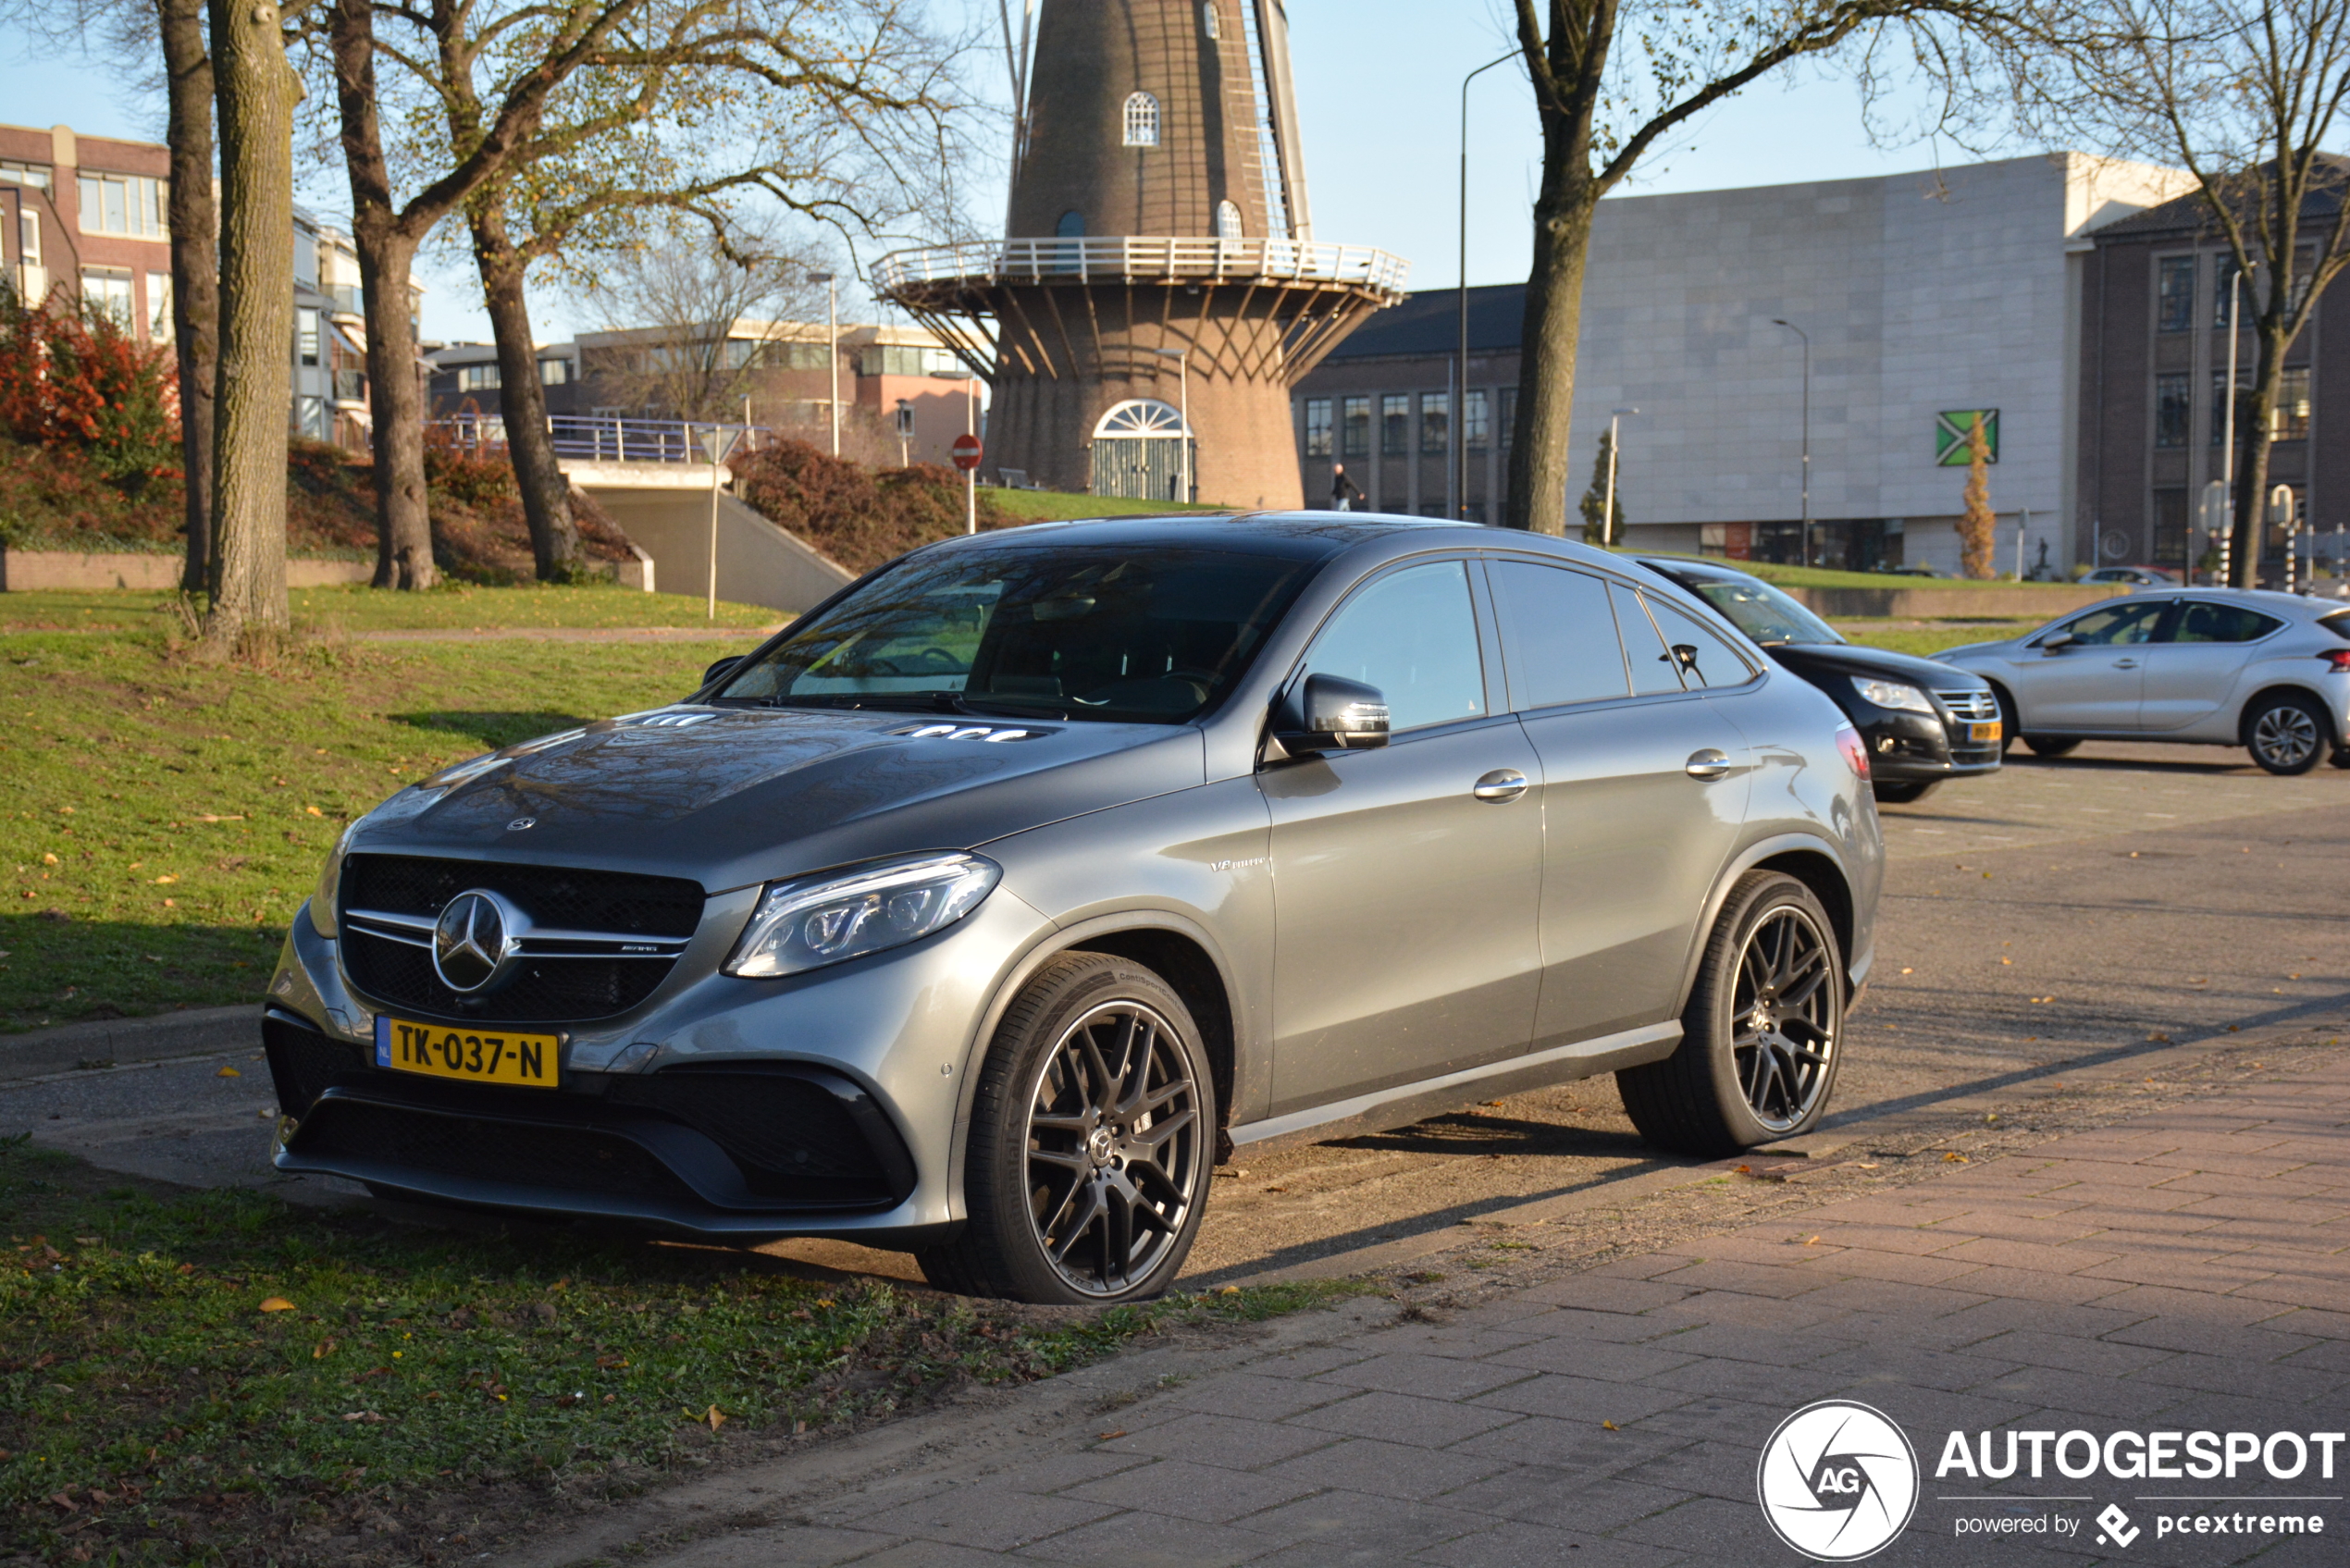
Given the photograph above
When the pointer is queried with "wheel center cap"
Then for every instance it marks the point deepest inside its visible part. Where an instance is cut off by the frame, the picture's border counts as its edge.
(1097, 1145)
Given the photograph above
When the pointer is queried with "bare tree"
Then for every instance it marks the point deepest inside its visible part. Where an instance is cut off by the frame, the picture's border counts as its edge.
(1609, 80)
(2244, 96)
(706, 324)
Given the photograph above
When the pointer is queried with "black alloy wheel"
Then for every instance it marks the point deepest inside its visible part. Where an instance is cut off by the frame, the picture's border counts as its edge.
(1092, 1141)
(2287, 734)
(1762, 1034)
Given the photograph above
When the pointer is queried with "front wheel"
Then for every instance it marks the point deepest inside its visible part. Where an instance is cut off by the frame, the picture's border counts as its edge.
(1761, 1034)
(2287, 734)
(1091, 1145)
(2052, 746)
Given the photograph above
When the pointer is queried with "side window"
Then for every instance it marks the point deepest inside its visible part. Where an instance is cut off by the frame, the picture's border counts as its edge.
(1644, 652)
(2206, 622)
(1413, 634)
(1705, 657)
(1559, 634)
(2132, 622)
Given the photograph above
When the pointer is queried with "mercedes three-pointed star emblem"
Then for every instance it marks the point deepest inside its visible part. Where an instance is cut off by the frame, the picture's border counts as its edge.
(474, 939)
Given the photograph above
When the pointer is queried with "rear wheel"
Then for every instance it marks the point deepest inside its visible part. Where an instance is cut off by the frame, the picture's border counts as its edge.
(2051, 746)
(1904, 794)
(2340, 758)
(1091, 1142)
(2287, 734)
(1761, 1034)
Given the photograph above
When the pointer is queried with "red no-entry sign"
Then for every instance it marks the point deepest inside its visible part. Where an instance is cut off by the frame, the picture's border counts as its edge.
(966, 450)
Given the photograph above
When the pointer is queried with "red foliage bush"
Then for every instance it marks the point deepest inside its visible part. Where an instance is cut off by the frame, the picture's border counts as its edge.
(859, 516)
(71, 378)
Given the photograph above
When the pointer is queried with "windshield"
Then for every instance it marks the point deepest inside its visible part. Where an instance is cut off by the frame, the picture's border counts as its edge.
(1761, 612)
(1130, 635)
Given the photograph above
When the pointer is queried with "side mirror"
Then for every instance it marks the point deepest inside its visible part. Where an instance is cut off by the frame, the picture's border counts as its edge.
(1331, 713)
(2058, 640)
(720, 671)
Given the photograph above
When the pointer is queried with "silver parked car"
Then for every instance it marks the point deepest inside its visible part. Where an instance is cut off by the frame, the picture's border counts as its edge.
(2269, 672)
(987, 907)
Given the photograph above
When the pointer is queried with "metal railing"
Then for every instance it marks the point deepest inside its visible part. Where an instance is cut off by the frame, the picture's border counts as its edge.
(598, 438)
(1129, 259)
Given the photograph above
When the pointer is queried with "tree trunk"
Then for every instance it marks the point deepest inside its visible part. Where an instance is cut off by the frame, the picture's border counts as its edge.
(387, 252)
(2251, 499)
(195, 276)
(257, 90)
(1540, 452)
(546, 493)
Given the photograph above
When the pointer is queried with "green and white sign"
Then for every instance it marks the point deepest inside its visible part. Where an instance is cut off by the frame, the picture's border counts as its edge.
(1950, 430)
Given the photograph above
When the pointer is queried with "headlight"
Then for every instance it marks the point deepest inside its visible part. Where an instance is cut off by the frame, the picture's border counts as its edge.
(806, 924)
(1893, 694)
(322, 903)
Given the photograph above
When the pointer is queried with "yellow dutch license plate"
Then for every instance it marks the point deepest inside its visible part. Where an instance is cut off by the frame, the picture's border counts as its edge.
(1985, 732)
(526, 1061)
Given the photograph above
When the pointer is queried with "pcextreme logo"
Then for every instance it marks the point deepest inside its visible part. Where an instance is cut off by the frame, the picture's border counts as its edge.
(1837, 1481)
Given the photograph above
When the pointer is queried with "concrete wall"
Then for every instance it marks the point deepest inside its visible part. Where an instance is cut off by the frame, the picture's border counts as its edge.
(71, 572)
(758, 562)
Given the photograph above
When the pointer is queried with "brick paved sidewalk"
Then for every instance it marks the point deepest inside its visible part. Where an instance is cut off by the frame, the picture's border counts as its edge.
(2190, 1269)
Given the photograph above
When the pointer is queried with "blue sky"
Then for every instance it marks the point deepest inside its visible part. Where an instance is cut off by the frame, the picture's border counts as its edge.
(1378, 92)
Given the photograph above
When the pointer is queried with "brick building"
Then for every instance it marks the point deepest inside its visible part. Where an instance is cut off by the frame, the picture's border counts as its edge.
(87, 214)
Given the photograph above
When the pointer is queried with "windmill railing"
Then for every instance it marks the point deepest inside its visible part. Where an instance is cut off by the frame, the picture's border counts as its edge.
(1126, 259)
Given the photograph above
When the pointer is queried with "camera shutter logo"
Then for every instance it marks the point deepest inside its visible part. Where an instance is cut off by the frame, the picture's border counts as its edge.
(1837, 1481)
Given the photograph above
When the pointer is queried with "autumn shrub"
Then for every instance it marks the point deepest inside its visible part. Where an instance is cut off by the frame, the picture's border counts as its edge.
(77, 379)
(859, 516)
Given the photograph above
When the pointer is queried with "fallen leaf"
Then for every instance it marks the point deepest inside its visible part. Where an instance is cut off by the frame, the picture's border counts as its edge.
(323, 1349)
(1104, 1437)
(164, 881)
(1229, 1290)
(716, 1419)
(314, 810)
(1813, 1243)
(1909, 971)
(48, 859)
(2161, 1039)
(1610, 1426)
(228, 1072)
(1954, 1159)
(276, 1304)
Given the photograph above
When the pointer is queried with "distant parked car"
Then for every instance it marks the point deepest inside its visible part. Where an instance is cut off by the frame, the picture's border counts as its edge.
(1909, 571)
(2269, 671)
(1922, 721)
(2132, 577)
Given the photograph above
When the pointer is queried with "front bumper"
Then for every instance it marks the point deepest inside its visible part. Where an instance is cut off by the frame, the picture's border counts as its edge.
(1917, 747)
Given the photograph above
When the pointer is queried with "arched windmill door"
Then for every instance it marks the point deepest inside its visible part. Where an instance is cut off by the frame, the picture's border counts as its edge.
(1138, 451)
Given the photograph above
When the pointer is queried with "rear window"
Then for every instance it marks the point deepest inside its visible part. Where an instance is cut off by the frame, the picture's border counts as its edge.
(2338, 623)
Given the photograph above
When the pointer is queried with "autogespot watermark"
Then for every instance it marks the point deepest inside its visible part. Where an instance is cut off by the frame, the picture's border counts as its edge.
(1839, 1481)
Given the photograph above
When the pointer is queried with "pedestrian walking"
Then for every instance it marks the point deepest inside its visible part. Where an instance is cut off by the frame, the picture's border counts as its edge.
(1344, 492)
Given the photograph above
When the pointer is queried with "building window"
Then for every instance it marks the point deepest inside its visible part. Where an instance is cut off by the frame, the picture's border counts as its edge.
(2175, 294)
(1071, 226)
(2289, 420)
(554, 371)
(307, 336)
(2169, 527)
(1142, 121)
(1475, 427)
(1395, 425)
(2219, 406)
(107, 292)
(29, 238)
(899, 359)
(1509, 417)
(1228, 221)
(1318, 427)
(1436, 421)
(2223, 290)
(1354, 427)
(13, 173)
(159, 306)
(2172, 411)
(477, 379)
(123, 204)
(1207, 25)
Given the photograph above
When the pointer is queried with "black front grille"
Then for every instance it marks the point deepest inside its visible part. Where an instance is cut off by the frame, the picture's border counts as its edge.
(549, 990)
(619, 902)
(543, 991)
(302, 1062)
(789, 1137)
(470, 1148)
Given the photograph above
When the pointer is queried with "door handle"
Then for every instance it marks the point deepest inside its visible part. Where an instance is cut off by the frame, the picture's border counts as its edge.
(1500, 784)
(1708, 764)
(2125, 663)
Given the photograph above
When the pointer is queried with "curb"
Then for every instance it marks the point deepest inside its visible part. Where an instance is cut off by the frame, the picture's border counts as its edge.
(107, 1042)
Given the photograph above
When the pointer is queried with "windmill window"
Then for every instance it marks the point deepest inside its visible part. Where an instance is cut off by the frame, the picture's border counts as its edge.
(1228, 221)
(1142, 121)
(1208, 19)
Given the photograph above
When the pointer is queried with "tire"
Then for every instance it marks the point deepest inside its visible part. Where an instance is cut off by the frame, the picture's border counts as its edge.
(1092, 1142)
(1729, 1087)
(1907, 793)
(2287, 734)
(2340, 758)
(2006, 719)
(2051, 746)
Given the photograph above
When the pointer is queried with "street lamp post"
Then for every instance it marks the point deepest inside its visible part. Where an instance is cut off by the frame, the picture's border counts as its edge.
(1806, 432)
(1607, 506)
(1460, 364)
(831, 344)
(1182, 358)
(2228, 459)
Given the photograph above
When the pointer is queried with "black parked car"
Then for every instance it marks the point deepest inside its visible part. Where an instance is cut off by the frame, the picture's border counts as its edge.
(1924, 721)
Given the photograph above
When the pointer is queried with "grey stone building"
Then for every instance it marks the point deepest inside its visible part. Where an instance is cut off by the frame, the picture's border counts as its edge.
(1924, 298)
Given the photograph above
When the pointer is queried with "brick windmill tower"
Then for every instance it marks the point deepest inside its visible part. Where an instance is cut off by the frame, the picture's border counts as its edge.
(1158, 260)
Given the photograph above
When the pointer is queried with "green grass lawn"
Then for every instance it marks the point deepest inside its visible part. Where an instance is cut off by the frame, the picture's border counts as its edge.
(165, 814)
(1049, 506)
(225, 1377)
(1818, 577)
(452, 606)
(1924, 641)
